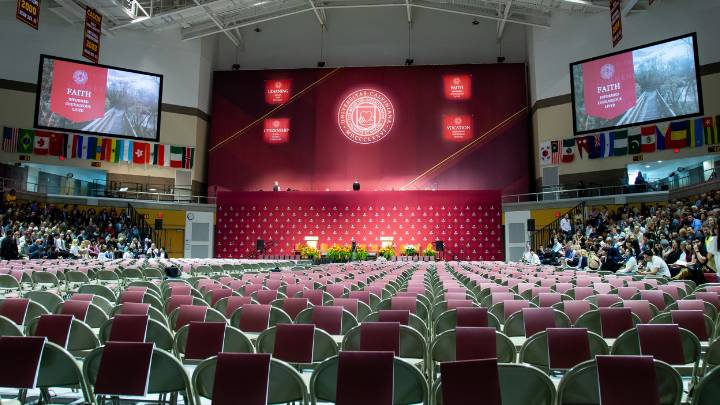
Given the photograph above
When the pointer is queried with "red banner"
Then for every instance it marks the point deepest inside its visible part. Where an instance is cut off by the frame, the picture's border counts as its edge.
(457, 87)
(277, 91)
(78, 92)
(457, 128)
(615, 22)
(91, 42)
(28, 11)
(609, 85)
(276, 130)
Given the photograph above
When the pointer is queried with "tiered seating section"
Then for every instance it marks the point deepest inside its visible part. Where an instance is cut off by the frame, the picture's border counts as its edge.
(418, 332)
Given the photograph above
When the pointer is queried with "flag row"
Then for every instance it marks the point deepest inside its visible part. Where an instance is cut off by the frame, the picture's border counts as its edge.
(692, 133)
(72, 146)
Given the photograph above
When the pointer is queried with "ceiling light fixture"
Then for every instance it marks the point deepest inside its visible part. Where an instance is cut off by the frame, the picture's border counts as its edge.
(583, 2)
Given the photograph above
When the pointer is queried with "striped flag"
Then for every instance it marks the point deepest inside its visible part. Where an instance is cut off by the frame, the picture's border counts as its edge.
(182, 157)
(91, 147)
(10, 139)
(78, 147)
(647, 140)
(711, 133)
(118, 150)
(619, 140)
(697, 132)
(678, 135)
(126, 155)
(554, 149)
(106, 152)
(568, 154)
(158, 154)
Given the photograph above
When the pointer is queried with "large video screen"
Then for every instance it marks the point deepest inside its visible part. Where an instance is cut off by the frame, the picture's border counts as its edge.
(95, 99)
(651, 83)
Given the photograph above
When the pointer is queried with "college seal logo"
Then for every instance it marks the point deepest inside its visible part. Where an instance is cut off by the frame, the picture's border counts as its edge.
(607, 71)
(80, 77)
(366, 116)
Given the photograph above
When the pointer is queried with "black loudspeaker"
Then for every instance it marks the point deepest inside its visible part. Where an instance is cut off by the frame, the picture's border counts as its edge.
(260, 245)
(531, 225)
(158, 223)
(439, 245)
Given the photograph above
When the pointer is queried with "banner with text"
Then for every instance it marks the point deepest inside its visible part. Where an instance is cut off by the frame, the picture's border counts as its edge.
(28, 11)
(91, 42)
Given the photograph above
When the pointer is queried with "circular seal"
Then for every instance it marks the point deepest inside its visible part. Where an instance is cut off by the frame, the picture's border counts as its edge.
(456, 80)
(607, 71)
(276, 123)
(366, 116)
(278, 84)
(80, 76)
(457, 120)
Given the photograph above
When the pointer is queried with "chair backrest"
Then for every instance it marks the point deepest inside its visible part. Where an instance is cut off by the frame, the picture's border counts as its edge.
(562, 348)
(644, 309)
(537, 389)
(157, 332)
(581, 384)
(532, 320)
(323, 345)
(608, 322)
(411, 344)
(475, 316)
(233, 340)
(256, 318)
(629, 344)
(574, 308)
(329, 319)
(444, 347)
(410, 386)
(708, 391)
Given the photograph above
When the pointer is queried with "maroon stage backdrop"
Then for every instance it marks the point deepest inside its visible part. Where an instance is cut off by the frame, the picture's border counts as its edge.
(469, 222)
(458, 127)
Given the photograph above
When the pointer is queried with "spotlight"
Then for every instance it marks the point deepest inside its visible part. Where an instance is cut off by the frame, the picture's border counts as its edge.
(236, 66)
(409, 61)
(321, 64)
(500, 59)
(257, 29)
(475, 22)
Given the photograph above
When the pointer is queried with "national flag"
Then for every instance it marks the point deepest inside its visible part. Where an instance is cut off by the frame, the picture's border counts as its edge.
(41, 145)
(99, 149)
(582, 145)
(56, 144)
(568, 154)
(10, 139)
(189, 160)
(26, 139)
(126, 155)
(545, 154)
(118, 150)
(141, 150)
(696, 132)
(711, 133)
(158, 154)
(634, 141)
(166, 156)
(67, 142)
(78, 147)
(619, 142)
(660, 133)
(91, 147)
(677, 135)
(647, 142)
(556, 152)
(599, 146)
(106, 151)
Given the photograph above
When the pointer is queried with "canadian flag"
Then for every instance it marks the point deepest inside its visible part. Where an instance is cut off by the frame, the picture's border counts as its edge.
(42, 143)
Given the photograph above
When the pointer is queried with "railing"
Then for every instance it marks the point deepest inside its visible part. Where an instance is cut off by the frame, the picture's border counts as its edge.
(562, 194)
(543, 237)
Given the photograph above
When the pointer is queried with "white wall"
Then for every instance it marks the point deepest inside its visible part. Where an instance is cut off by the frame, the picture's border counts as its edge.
(371, 37)
(577, 37)
(186, 65)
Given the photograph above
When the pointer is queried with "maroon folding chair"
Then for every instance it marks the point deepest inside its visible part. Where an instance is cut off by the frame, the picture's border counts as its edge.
(363, 296)
(265, 297)
(365, 378)
(380, 337)
(567, 347)
(574, 308)
(241, 375)
(218, 294)
(314, 296)
(614, 372)
(56, 328)
(394, 315)
(615, 321)
(176, 301)
(181, 289)
(254, 318)
(663, 342)
(21, 357)
(463, 382)
(548, 299)
(627, 293)
(328, 319)
(469, 317)
(235, 302)
(349, 304)
(204, 340)
(692, 320)
(656, 297)
(15, 309)
(294, 343)
(132, 296)
(474, 343)
(124, 369)
(128, 328)
(189, 313)
(510, 307)
(641, 308)
(537, 320)
(78, 309)
(404, 303)
(293, 306)
(607, 300)
(134, 308)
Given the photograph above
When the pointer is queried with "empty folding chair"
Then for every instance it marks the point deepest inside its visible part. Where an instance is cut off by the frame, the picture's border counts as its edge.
(333, 320)
(300, 345)
(473, 316)
(530, 321)
(562, 348)
(707, 391)
(404, 317)
(255, 318)
(574, 308)
(644, 309)
(128, 328)
(198, 341)
(608, 322)
(470, 343)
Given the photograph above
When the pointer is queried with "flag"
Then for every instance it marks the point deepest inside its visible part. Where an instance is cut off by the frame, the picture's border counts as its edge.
(568, 154)
(10, 139)
(91, 147)
(556, 152)
(582, 145)
(41, 145)
(599, 146)
(183, 156)
(677, 135)
(697, 132)
(78, 147)
(619, 142)
(117, 150)
(126, 155)
(634, 141)
(140, 152)
(711, 133)
(166, 156)
(545, 155)
(67, 142)
(158, 154)
(660, 136)
(56, 144)
(26, 139)
(109, 149)
(647, 142)
(189, 160)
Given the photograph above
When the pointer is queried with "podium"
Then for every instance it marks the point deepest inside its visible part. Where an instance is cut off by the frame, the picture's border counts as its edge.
(312, 241)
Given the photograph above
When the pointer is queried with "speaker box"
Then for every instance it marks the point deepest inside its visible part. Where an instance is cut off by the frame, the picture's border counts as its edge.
(531, 225)
(439, 245)
(260, 245)
(158, 223)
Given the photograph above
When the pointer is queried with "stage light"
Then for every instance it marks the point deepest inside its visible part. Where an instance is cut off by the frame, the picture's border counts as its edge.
(321, 64)
(500, 59)
(409, 61)
(236, 66)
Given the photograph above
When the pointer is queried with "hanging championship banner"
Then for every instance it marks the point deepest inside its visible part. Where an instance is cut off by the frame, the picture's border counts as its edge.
(615, 22)
(91, 40)
(28, 11)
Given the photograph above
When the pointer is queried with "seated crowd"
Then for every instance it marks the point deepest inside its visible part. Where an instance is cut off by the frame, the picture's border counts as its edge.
(677, 240)
(37, 231)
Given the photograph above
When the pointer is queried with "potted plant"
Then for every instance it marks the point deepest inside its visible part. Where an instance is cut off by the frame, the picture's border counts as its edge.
(388, 252)
(410, 250)
(429, 251)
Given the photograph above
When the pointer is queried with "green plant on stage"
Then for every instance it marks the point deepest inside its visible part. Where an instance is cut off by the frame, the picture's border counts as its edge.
(362, 253)
(387, 252)
(410, 250)
(339, 253)
(429, 251)
(309, 252)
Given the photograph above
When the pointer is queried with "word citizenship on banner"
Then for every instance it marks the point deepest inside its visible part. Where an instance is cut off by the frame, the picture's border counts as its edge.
(91, 40)
(28, 11)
